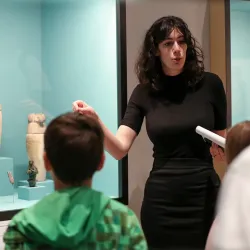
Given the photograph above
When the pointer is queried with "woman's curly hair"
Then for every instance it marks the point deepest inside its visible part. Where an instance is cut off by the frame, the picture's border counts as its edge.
(148, 66)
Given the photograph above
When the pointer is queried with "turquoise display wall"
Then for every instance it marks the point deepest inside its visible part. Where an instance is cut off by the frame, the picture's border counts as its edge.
(20, 76)
(80, 62)
(52, 53)
(240, 60)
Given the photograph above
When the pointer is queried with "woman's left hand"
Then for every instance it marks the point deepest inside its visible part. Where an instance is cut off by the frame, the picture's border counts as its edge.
(217, 152)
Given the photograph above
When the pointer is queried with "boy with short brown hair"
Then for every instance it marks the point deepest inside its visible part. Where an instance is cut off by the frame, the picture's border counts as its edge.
(75, 216)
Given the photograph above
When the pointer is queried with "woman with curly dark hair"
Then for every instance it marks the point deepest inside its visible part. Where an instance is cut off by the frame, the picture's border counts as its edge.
(174, 95)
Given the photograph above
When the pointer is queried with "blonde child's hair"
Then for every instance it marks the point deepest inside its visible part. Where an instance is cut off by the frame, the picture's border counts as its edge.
(238, 138)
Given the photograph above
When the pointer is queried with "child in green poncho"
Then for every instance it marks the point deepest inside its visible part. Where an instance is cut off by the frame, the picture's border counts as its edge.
(74, 216)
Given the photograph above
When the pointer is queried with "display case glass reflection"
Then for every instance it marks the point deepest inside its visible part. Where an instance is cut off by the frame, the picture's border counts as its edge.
(52, 53)
(239, 61)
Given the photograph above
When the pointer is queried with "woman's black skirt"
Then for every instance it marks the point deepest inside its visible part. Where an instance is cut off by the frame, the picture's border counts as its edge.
(179, 203)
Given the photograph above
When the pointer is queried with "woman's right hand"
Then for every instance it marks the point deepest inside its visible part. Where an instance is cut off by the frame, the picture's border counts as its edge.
(83, 108)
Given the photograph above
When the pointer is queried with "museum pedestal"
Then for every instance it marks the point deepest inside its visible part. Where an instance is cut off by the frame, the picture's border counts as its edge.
(31, 193)
(48, 184)
(42, 189)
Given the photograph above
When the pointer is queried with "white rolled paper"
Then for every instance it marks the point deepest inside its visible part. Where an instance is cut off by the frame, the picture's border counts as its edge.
(219, 140)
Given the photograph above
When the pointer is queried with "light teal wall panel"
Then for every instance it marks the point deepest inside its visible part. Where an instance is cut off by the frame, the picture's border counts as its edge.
(20, 76)
(52, 53)
(80, 62)
(240, 64)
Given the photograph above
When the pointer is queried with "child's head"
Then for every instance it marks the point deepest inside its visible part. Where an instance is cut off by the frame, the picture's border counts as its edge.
(238, 138)
(74, 149)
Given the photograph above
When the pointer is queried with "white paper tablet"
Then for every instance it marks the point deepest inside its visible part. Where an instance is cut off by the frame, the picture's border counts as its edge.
(219, 140)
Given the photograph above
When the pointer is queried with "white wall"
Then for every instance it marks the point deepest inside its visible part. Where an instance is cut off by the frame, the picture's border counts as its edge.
(140, 15)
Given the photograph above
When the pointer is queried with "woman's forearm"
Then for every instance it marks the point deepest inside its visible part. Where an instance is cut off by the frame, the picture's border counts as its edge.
(118, 145)
(112, 144)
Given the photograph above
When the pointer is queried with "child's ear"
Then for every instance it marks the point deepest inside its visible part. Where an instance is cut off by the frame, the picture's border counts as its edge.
(47, 164)
(101, 162)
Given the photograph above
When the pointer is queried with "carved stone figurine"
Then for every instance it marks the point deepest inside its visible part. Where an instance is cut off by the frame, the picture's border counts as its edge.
(32, 173)
(35, 144)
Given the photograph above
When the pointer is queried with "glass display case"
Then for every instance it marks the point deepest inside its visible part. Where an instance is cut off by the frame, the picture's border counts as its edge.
(52, 53)
(240, 60)
(230, 57)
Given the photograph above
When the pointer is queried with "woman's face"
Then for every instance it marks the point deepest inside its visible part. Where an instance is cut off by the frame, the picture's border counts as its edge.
(172, 53)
